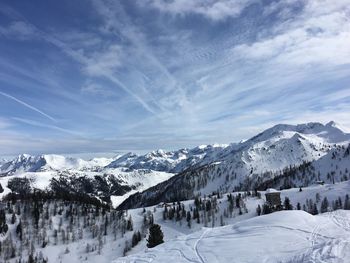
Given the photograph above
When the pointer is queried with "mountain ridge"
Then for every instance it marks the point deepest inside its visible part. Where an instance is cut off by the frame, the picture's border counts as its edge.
(178, 160)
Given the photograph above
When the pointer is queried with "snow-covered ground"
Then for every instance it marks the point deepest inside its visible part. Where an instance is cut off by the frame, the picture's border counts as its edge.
(286, 236)
(139, 179)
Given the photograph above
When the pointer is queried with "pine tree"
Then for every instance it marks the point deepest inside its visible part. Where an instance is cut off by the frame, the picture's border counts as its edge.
(134, 240)
(258, 210)
(222, 223)
(19, 231)
(347, 203)
(3, 225)
(314, 210)
(188, 219)
(129, 225)
(324, 205)
(165, 213)
(287, 204)
(155, 236)
(31, 259)
(13, 218)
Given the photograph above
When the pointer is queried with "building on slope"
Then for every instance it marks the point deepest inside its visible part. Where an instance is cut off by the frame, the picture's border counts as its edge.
(273, 197)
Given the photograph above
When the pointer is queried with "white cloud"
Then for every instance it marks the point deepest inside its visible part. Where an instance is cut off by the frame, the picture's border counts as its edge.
(314, 37)
(241, 79)
(94, 88)
(102, 61)
(19, 30)
(4, 123)
(213, 9)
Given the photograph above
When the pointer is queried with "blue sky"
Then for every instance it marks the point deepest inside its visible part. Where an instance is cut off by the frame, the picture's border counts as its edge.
(100, 76)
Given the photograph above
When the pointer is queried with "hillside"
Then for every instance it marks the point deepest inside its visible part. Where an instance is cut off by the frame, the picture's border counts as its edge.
(283, 156)
(74, 231)
(293, 236)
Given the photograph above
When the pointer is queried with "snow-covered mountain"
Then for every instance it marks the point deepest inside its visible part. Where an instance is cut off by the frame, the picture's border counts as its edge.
(275, 148)
(159, 160)
(267, 158)
(49, 162)
(203, 169)
(172, 161)
(73, 228)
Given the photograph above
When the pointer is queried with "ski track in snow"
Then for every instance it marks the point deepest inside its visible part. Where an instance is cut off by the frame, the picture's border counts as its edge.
(197, 243)
(288, 238)
(321, 249)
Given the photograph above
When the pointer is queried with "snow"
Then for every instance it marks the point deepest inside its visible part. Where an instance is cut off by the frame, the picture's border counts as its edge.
(286, 236)
(271, 190)
(140, 179)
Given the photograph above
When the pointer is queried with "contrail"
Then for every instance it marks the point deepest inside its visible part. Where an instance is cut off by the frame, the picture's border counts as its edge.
(53, 127)
(77, 56)
(27, 105)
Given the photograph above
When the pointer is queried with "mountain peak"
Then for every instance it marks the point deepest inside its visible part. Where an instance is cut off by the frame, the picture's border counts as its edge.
(331, 123)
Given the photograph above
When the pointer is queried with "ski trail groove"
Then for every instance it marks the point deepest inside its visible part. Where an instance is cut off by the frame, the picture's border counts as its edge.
(196, 246)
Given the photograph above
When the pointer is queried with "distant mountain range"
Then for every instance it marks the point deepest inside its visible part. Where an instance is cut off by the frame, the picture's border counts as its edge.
(203, 169)
(282, 156)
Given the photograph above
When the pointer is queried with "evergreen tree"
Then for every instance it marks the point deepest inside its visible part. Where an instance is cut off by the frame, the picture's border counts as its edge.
(129, 225)
(258, 210)
(347, 203)
(165, 212)
(134, 240)
(3, 225)
(13, 218)
(155, 236)
(19, 230)
(287, 204)
(324, 205)
(315, 210)
(188, 219)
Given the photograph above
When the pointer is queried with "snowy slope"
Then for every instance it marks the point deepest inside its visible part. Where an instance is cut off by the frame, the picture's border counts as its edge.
(243, 238)
(277, 156)
(116, 184)
(275, 228)
(293, 236)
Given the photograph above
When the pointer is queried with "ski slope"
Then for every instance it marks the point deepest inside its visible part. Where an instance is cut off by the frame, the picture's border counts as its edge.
(286, 236)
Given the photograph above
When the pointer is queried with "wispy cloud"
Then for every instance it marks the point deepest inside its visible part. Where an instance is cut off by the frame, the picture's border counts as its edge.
(33, 108)
(216, 10)
(19, 30)
(42, 125)
(170, 74)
